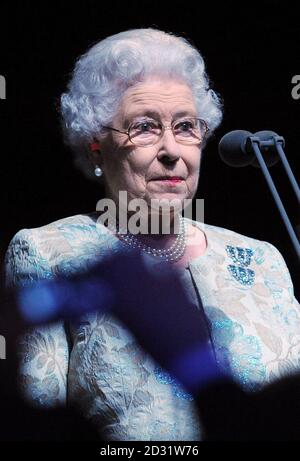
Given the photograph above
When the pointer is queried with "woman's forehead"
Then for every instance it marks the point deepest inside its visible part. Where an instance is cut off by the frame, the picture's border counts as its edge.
(158, 98)
(159, 89)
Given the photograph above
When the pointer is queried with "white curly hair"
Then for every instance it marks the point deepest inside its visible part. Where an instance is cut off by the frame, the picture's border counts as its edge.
(114, 64)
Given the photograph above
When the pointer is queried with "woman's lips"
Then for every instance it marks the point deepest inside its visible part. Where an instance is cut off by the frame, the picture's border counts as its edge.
(172, 180)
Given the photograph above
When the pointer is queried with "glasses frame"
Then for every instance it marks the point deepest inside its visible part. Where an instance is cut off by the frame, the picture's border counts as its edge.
(163, 129)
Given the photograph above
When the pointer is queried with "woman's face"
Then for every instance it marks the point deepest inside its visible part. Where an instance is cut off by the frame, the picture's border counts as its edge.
(136, 169)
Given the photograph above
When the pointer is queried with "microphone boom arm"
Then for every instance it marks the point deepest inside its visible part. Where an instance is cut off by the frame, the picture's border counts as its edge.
(254, 143)
(279, 147)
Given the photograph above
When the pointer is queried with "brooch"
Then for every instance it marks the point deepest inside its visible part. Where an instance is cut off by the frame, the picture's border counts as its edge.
(242, 258)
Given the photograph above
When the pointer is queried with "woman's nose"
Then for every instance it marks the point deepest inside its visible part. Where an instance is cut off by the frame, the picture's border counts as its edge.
(169, 147)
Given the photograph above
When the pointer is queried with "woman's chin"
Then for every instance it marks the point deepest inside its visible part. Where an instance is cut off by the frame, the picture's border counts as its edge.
(166, 198)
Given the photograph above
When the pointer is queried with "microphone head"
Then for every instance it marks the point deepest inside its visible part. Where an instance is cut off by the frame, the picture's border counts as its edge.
(269, 153)
(232, 149)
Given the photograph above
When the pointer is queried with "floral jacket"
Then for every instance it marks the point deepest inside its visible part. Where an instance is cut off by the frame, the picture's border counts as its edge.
(248, 299)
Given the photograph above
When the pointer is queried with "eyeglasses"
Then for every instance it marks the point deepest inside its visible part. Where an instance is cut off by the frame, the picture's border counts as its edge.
(147, 132)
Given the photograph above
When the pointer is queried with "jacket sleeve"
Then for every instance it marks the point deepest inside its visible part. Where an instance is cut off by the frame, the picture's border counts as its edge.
(43, 350)
(277, 266)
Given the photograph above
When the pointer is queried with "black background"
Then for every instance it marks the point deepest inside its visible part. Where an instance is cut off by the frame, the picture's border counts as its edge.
(252, 51)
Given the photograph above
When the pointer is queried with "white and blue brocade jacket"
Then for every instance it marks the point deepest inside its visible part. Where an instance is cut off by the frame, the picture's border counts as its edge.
(248, 299)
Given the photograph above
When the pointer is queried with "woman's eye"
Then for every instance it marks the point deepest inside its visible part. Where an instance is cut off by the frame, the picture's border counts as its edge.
(184, 126)
(145, 126)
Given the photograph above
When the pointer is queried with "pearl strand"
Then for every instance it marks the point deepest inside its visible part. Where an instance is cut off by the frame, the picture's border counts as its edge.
(173, 253)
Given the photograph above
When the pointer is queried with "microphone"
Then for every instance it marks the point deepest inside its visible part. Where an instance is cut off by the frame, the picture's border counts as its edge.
(234, 149)
(268, 149)
(241, 148)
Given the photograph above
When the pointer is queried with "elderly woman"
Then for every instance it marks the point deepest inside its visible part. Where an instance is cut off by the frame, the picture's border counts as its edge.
(137, 114)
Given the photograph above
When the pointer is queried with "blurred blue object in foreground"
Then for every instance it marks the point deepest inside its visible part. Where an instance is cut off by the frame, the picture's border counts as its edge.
(152, 303)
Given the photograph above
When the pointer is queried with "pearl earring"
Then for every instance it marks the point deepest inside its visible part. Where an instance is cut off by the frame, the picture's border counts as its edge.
(98, 171)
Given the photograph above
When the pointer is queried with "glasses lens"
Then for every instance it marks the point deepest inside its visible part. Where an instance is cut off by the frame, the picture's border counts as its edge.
(189, 130)
(145, 132)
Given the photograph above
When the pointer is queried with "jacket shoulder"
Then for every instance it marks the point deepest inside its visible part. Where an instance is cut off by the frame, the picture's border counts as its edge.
(231, 234)
(54, 246)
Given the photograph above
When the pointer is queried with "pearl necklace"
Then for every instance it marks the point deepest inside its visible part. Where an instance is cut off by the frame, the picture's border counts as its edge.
(173, 253)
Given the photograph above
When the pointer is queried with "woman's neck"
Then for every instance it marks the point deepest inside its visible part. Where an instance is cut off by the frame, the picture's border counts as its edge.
(155, 230)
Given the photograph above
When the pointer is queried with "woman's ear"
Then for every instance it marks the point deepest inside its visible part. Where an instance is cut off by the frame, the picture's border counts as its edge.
(94, 153)
(94, 146)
